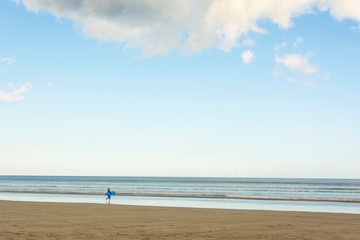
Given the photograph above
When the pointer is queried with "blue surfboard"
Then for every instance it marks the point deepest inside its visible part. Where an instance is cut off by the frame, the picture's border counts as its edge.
(110, 194)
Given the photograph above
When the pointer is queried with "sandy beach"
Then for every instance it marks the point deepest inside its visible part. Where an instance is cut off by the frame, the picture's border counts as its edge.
(34, 220)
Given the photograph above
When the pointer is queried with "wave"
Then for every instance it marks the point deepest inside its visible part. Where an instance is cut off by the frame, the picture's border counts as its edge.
(335, 190)
(196, 180)
(77, 188)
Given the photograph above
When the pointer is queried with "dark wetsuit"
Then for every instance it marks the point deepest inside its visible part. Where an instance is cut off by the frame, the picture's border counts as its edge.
(109, 197)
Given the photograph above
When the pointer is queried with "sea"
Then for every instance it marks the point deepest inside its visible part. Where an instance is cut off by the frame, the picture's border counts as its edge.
(277, 194)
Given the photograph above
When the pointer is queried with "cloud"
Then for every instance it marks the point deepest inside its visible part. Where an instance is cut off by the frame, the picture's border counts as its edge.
(355, 29)
(162, 26)
(298, 41)
(49, 84)
(291, 79)
(282, 45)
(341, 9)
(309, 83)
(304, 83)
(16, 1)
(12, 94)
(297, 63)
(248, 42)
(247, 56)
(15, 94)
(6, 62)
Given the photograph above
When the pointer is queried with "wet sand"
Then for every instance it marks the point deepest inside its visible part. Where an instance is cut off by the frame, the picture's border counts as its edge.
(33, 220)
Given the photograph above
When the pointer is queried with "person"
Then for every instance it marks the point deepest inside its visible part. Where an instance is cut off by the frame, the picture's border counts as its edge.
(109, 196)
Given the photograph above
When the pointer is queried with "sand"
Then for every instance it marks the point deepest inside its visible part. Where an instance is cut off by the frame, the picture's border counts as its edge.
(32, 220)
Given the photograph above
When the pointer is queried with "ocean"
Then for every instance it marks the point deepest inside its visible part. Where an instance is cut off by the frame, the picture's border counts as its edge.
(288, 194)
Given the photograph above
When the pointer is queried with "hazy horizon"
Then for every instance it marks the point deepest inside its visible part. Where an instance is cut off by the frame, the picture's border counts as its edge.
(155, 176)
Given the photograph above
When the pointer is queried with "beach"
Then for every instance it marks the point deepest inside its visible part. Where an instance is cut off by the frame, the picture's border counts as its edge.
(41, 220)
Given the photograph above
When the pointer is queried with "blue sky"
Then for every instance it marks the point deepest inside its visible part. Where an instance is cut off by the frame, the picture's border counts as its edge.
(240, 90)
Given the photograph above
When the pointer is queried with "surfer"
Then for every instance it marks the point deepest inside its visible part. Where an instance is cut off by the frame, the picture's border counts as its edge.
(108, 195)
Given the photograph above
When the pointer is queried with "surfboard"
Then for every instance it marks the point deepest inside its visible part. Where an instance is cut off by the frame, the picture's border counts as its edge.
(110, 194)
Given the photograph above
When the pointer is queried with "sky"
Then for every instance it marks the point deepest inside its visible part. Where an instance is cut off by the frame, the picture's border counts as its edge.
(215, 88)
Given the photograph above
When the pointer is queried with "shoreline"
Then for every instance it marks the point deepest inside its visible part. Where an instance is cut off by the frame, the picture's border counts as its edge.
(180, 207)
(207, 203)
(196, 196)
(43, 220)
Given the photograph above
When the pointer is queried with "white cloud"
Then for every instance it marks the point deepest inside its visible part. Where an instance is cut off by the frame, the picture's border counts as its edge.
(297, 63)
(298, 41)
(289, 64)
(309, 83)
(5, 62)
(282, 45)
(15, 94)
(159, 27)
(355, 29)
(247, 56)
(16, 1)
(12, 94)
(304, 82)
(49, 84)
(341, 9)
(248, 42)
(291, 79)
